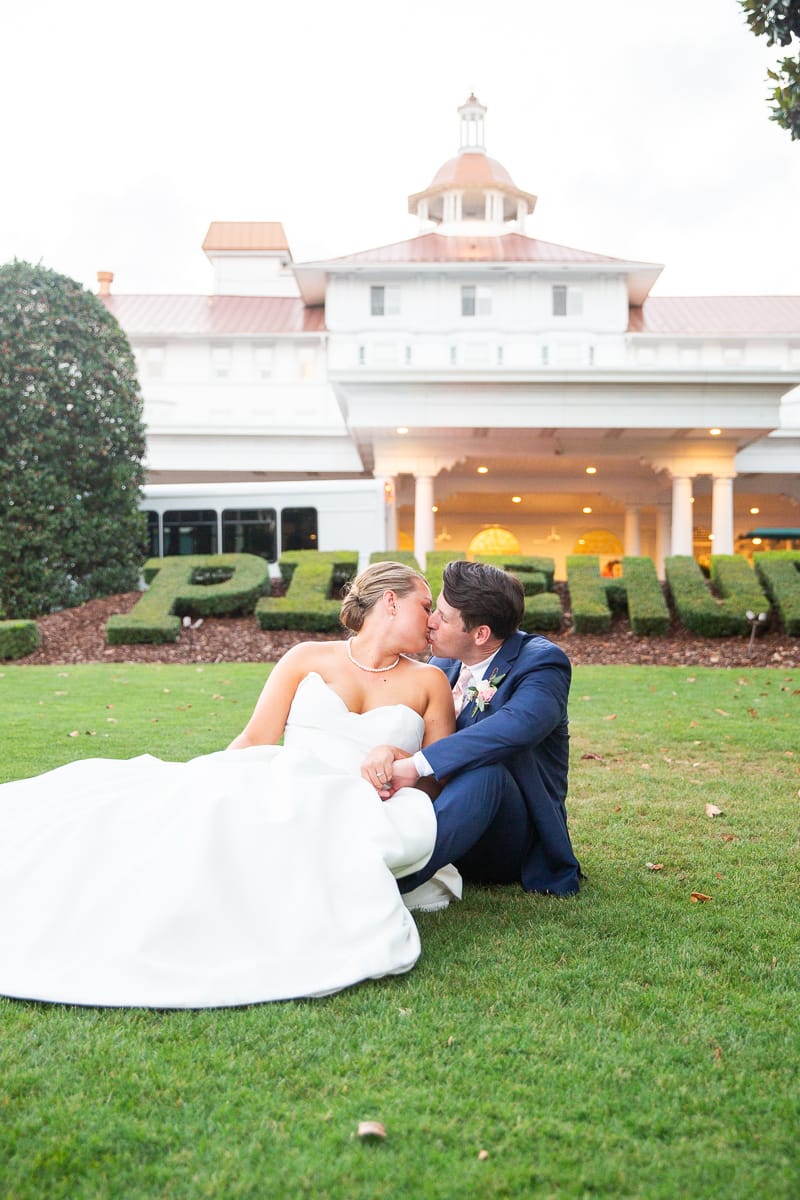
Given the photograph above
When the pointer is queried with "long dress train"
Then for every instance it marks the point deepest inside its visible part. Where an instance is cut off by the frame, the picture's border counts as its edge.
(237, 877)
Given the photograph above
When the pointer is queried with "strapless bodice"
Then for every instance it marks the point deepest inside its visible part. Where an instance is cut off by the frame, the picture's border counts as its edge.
(320, 722)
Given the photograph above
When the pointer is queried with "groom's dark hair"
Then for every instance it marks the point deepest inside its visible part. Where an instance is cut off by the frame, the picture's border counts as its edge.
(484, 595)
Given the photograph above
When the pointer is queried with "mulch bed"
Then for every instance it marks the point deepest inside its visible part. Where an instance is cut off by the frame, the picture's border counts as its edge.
(77, 635)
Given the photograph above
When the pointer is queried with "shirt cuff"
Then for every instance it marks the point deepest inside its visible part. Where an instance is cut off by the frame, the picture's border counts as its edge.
(421, 764)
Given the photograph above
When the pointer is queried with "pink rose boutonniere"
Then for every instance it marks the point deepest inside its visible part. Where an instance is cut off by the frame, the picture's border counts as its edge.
(481, 694)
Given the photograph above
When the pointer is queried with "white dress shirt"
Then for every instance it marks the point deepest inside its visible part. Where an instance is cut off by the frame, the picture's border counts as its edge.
(478, 671)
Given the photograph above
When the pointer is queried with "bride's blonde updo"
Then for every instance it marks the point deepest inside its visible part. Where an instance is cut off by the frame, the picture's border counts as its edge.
(367, 588)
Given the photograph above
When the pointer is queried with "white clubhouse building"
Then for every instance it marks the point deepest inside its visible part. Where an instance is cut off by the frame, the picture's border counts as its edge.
(513, 394)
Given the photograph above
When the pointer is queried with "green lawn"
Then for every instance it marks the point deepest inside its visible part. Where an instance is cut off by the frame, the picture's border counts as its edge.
(627, 1043)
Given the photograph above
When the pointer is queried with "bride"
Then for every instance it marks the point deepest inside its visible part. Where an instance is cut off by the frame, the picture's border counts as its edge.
(256, 873)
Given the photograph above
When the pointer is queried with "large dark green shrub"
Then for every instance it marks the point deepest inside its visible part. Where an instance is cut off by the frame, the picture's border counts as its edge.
(71, 446)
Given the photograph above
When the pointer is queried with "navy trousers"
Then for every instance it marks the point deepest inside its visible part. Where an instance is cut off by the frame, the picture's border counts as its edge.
(482, 828)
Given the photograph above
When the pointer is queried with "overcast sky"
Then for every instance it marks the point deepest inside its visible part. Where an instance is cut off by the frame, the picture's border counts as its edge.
(641, 125)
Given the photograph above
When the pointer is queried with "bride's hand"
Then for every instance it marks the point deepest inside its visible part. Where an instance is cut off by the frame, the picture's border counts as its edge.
(377, 767)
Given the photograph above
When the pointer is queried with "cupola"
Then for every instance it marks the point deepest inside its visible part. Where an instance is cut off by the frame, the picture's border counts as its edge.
(472, 193)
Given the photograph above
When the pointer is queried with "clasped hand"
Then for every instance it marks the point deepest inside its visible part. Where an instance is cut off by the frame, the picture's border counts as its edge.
(387, 768)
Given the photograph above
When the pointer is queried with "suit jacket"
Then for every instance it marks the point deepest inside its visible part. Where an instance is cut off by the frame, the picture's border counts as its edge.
(525, 728)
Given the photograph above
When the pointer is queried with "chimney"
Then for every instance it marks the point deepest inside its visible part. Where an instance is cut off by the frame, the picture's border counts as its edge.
(104, 280)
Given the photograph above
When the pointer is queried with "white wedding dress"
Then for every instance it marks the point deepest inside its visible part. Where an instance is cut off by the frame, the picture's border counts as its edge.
(238, 877)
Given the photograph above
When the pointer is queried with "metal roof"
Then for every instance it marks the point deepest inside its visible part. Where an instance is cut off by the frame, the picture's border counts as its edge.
(723, 315)
(228, 236)
(439, 247)
(214, 316)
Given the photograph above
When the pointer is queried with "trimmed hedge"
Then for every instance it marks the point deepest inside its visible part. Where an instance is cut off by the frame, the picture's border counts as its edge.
(203, 585)
(637, 590)
(588, 596)
(647, 609)
(699, 609)
(536, 574)
(435, 563)
(314, 577)
(407, 557)
(18, 638)
(779, 573)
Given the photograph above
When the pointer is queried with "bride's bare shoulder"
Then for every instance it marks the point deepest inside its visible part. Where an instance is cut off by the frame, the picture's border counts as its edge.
(434, 676)
(307, 656)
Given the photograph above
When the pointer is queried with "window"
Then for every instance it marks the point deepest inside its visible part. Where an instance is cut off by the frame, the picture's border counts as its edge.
(250, 531)
(299, 529)
(384, 301)
(221, 361)
(567, 301)
(263, 356)
(153, 357)
(307, 362)
(476, 301)
(190, 531)
(151, 538)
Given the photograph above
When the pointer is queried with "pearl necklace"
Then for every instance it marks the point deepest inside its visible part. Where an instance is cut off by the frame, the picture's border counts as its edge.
(372, 670)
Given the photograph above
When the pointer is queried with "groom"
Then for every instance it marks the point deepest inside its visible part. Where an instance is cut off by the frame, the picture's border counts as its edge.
(500, 814)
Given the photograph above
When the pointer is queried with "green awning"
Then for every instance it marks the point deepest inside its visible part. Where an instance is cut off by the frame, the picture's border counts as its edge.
(773, 533)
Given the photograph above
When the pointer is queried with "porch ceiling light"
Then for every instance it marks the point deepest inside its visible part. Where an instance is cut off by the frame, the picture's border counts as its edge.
(715, 432)
(483, 470)
(435, 508)
(587, 508)
(591, 470)
(516, 499)
(401, 429)
(755, 510)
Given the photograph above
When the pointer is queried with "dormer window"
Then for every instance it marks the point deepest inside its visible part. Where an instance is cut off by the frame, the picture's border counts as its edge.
(384, 301)
(476, 301)
(567, 301)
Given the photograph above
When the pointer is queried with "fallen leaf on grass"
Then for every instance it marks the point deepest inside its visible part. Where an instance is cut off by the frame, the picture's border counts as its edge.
(722, 712)
(654, 866)
(483, 1155)
(610, 717)
(713, 811)
(699, 897)
(728, 837)
(367, 1130)
(598, 757)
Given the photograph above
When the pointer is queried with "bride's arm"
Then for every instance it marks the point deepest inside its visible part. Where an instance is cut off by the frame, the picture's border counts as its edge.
(266, 725)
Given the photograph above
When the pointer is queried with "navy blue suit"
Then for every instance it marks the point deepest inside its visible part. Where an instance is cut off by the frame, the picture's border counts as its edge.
(501, 816)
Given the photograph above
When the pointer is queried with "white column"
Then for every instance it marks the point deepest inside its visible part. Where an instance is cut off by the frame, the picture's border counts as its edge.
(522, 212)
(423, 518)
(722, 514)
(633, 536)
(682, 524)
(662, 538)
(391, 514)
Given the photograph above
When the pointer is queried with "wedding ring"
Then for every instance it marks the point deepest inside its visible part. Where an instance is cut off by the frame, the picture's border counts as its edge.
(380, 774)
